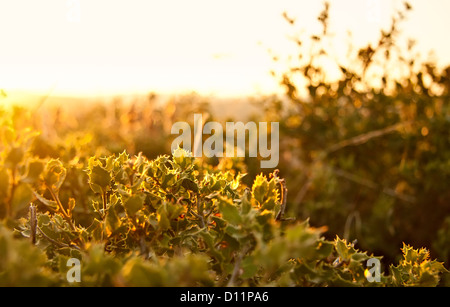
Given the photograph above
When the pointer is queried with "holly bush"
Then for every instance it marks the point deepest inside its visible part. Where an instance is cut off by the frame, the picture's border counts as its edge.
(169, 221)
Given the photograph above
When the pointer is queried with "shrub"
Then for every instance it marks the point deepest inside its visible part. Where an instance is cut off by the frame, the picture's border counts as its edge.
(173, 221)
(367, 153)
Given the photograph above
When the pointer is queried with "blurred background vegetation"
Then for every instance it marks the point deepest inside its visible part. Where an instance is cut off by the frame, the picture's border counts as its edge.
(367, 154)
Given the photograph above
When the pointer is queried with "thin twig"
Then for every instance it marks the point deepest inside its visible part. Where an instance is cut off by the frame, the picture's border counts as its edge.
(372, 185)
(61, 207)
(284, 190)
(33, 223)
(352, 217)
(237, 266)
(354, 141)
(59, 244)
(365, 137)
(301, 194)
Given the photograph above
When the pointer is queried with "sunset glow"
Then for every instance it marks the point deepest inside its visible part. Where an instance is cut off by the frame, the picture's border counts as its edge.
(214, 48)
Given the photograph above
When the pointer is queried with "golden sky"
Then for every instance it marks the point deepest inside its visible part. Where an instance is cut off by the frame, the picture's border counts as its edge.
(102, 47)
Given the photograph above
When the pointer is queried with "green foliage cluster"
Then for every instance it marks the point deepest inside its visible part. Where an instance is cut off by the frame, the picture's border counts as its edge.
(169, 221)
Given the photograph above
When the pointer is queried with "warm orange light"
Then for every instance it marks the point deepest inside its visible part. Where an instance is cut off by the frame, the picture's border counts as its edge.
(212, 47)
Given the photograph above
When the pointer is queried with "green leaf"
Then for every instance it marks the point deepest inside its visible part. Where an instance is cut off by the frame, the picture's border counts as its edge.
(183, 158)
(260, 188)
(168, 212)
(99, 177)
(54, 174)
(436, 266)
(359, 257)
(96, 230)
(188, 184)
(344, 250)
(133, 203)
(50, 203)
(265, 192)
(230, 212)
(169, 180)
(397, 276)
(124, 157)
(409, 253)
